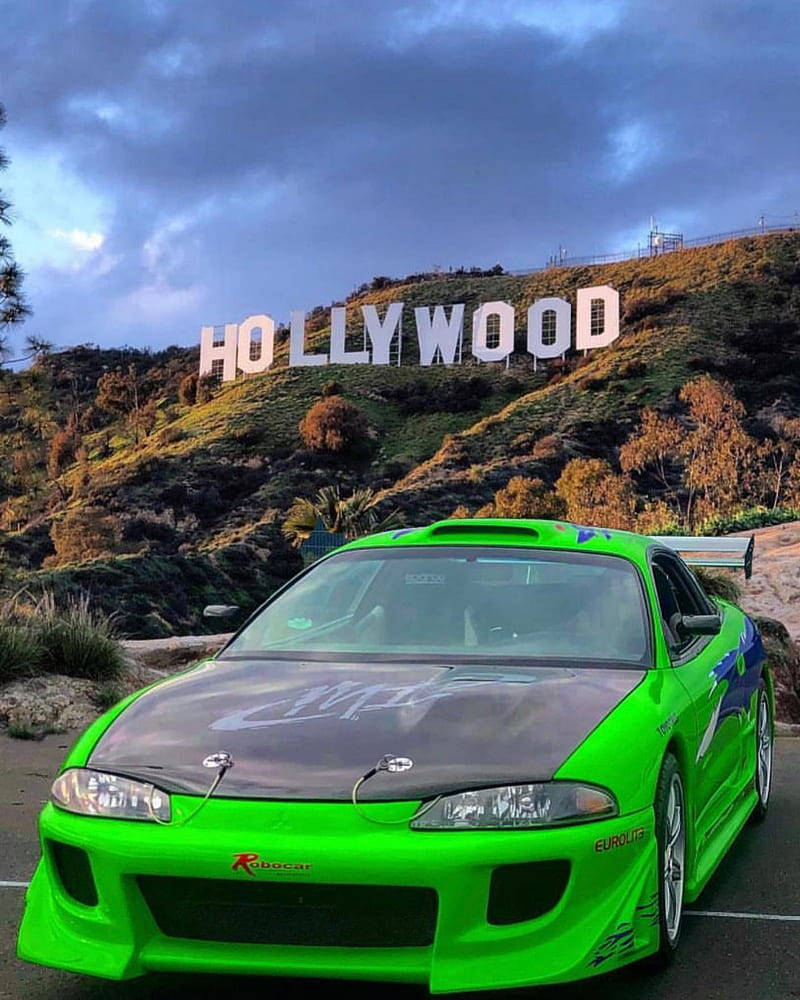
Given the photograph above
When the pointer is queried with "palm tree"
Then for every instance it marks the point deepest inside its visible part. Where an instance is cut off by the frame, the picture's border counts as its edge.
(351, 516)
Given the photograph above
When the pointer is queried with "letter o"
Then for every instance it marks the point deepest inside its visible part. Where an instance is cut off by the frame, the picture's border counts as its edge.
(505, 347)
(266, 324)
(536, 344)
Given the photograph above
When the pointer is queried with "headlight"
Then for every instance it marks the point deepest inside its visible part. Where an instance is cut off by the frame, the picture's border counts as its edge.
(95, 793)
(515, 807)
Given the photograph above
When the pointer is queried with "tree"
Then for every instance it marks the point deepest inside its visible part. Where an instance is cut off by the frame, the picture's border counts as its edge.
(525, 497)
(12, 304)
(335, 425)
(656, 448)
(720, 457)
(703, 462)
(595, 494)
(351, 516)
(62, 451)
(778, 459)
(119, 392)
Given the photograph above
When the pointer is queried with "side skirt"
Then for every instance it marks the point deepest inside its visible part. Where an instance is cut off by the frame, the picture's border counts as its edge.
(718, 845)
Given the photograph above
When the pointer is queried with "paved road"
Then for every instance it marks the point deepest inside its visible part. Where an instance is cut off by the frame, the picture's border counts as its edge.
(720, 957)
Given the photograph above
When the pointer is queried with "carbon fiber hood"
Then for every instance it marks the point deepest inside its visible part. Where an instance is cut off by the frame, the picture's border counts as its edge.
(299, 729)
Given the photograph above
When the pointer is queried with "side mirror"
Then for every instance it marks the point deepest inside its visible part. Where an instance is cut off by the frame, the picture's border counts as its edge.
(700, 624)
(220, 610)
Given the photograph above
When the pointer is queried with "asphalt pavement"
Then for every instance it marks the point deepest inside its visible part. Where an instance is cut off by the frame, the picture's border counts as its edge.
(741, 939)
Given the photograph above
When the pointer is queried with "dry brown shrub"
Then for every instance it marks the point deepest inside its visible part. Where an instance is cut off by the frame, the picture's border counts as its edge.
(84, 534)
(336, 425)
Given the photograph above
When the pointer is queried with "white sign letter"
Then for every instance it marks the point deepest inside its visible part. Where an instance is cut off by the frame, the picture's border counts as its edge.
(596, 317)
(439, 333)
(339, 353)
(297, 343)
(382, 334)
(504, 330)
(212, 350)
(247, 363)
(559, 328)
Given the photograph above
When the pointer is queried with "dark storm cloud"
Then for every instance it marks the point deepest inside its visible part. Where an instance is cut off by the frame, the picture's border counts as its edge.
(244, 156)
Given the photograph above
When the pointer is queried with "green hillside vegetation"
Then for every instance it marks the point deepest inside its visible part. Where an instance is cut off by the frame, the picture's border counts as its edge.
(123, 478)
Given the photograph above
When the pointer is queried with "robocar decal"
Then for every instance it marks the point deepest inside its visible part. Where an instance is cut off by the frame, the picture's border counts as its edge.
(250, 863)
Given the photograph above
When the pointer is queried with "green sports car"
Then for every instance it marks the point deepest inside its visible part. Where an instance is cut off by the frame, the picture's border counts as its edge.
(479, 754)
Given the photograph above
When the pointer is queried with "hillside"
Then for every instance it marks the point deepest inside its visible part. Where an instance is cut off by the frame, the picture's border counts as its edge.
(159, 511)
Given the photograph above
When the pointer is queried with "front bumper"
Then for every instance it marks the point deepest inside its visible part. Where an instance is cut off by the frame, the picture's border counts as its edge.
(606, 917)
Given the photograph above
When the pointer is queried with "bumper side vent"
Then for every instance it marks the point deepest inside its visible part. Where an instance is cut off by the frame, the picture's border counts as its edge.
(525, 891)
(74, 872)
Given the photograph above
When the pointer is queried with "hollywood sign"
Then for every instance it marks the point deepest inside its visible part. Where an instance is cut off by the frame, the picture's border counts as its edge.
(249, 347)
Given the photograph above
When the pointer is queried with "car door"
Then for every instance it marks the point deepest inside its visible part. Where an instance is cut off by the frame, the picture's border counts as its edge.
(703, 665)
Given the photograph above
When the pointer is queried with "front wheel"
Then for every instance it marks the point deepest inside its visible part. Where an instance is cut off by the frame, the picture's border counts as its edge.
(763, 769)
(670, 816)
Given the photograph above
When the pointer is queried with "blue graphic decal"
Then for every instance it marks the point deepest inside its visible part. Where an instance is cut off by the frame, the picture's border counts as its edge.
(615, 944)
(649, 909)
(738, 674)
(585, 534)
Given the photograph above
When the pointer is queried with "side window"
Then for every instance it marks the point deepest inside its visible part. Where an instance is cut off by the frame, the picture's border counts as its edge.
(676, 596)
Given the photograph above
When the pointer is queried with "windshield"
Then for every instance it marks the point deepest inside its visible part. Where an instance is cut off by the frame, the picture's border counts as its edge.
(458, 602)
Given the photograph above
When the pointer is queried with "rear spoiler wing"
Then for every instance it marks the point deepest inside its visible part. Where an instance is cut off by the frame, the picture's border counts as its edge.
(725, 553)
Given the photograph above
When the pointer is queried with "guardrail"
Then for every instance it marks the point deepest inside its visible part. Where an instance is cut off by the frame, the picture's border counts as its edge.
(642, 253)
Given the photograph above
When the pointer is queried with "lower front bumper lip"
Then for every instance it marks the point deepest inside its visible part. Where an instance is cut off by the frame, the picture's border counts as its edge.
(120, 939)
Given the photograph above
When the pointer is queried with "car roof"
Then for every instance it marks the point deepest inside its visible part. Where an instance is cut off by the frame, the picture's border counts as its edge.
(521, 533)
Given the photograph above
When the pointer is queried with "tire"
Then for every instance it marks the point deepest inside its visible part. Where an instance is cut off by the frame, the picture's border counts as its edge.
(670, 817)
(762, 777)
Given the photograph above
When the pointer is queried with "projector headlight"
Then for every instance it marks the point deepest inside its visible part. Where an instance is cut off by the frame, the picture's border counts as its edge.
(518, 807)
(96, 793)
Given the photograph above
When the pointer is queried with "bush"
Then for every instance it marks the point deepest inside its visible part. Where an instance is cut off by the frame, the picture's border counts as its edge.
(61, 452)
(526, 498)
(170, 434)
(748, 520)
(187, 390)
(84, 534)
(336, 425)
(207, 388)
(332, 388)
(720, 585)
(19, 653)
(148, 527)
(457, 395)
(76, 640)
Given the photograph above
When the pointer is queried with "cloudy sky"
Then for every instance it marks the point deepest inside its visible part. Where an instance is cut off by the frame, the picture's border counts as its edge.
(178, 163)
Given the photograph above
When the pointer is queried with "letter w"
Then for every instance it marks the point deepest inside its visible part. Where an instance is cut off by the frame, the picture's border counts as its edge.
(439, 333)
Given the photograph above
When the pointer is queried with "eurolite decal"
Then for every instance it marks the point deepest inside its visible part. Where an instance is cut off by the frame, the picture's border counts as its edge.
(619, 840)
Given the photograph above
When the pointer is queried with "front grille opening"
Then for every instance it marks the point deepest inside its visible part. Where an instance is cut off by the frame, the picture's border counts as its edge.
(74, 872)
(350, 916)
(525, 891)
